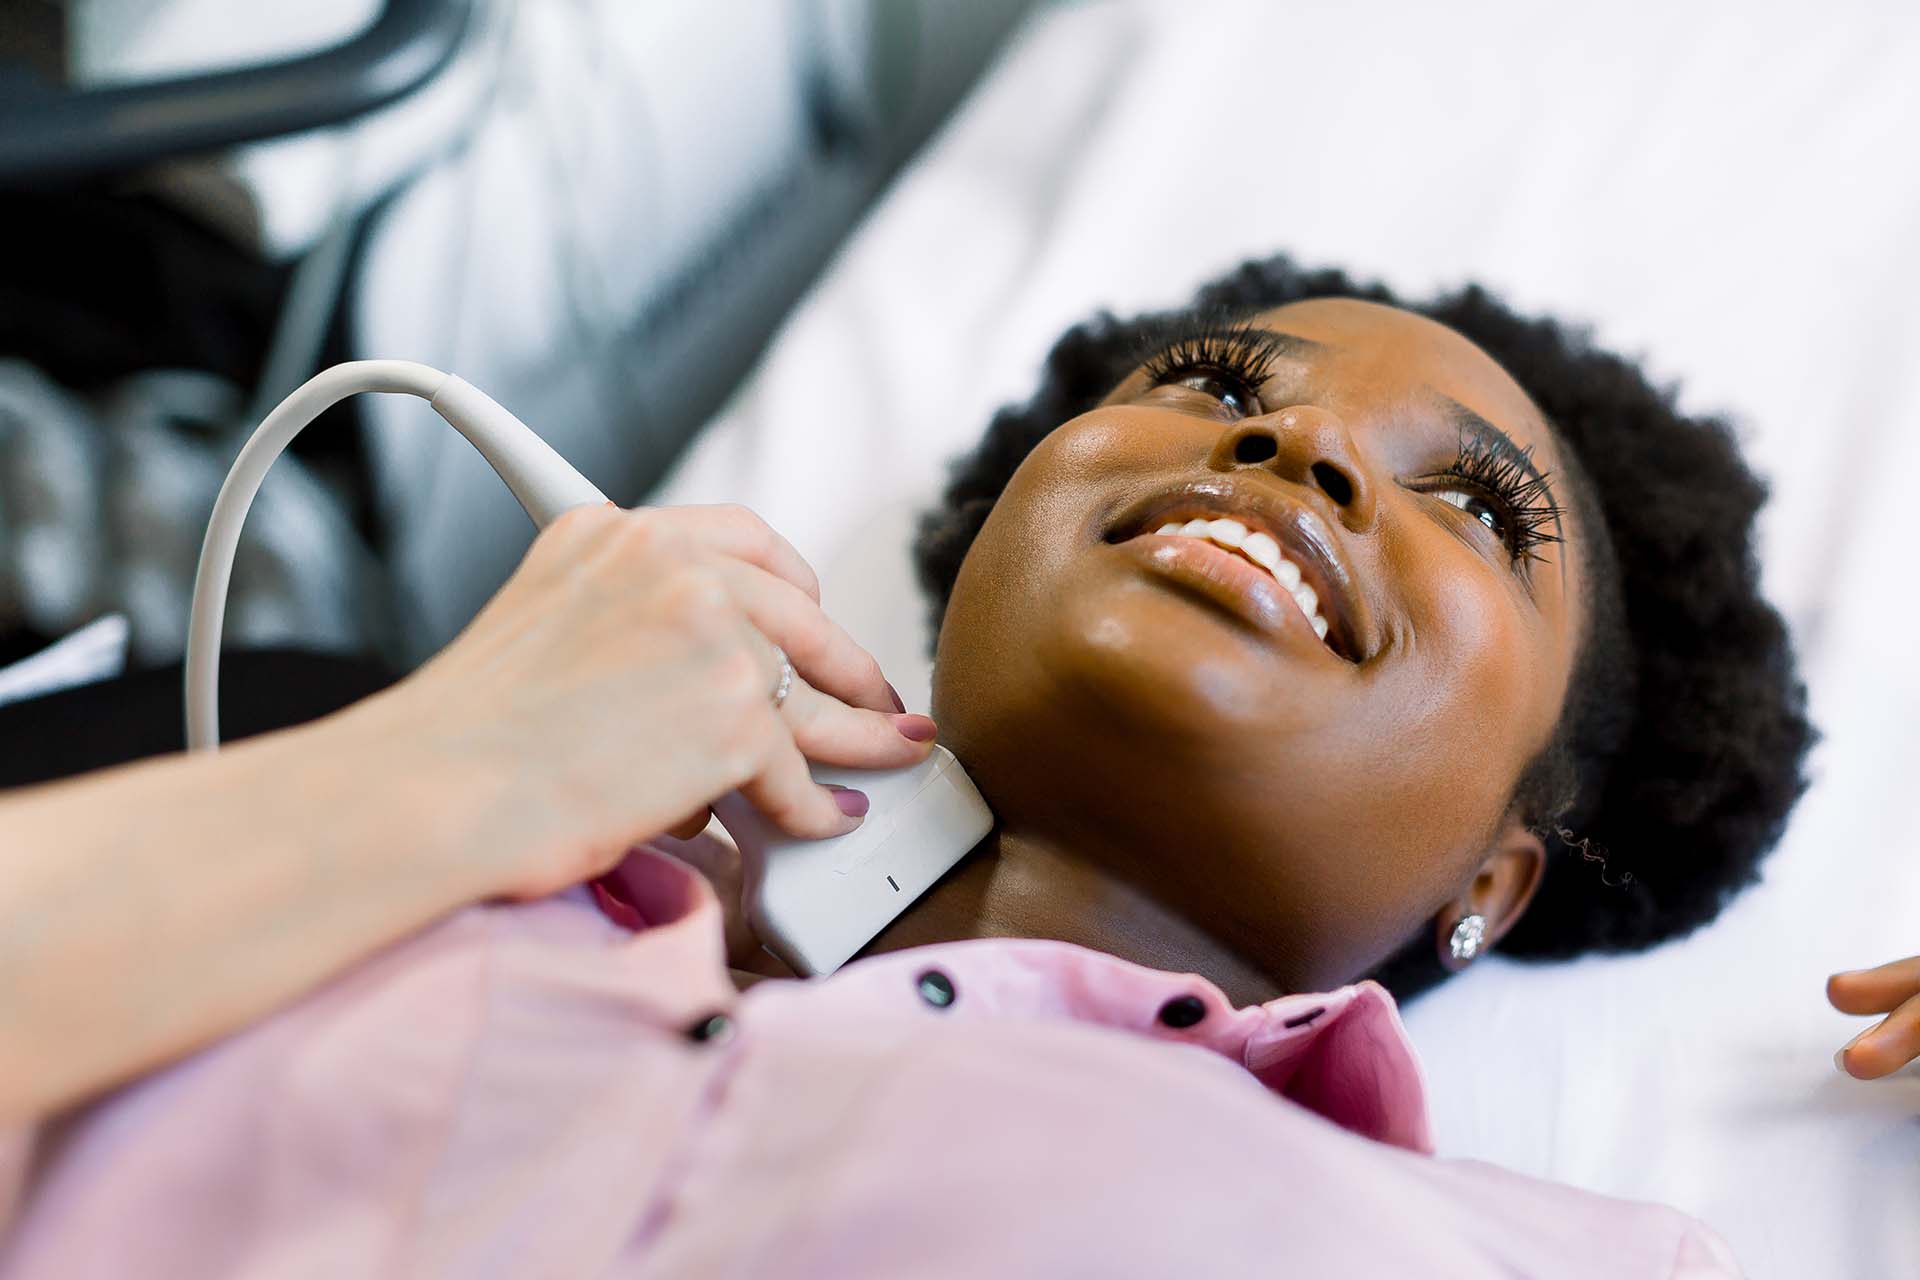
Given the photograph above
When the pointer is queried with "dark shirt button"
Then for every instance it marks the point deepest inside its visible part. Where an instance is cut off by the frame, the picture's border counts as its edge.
(715, 1026)
(1183, 1011)
(936, 988)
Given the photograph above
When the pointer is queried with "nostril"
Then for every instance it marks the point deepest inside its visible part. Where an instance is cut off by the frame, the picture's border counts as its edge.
(1254, 447)
(1333, 482)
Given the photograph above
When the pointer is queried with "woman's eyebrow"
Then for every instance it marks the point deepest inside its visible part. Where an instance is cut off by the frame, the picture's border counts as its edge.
(1290, 346)
(1493, 440)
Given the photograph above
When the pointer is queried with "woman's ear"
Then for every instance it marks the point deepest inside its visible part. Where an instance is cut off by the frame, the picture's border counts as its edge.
(1498, 894)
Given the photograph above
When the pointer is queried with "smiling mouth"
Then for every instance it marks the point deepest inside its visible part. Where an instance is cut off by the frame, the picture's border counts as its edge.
(1222, 541)
(1258, 548)
(1244, 570)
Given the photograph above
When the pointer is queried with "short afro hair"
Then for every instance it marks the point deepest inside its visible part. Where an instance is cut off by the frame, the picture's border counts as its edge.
(1681, 747)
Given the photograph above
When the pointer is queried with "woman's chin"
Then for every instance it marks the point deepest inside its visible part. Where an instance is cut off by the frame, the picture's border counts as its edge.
(1151, 659)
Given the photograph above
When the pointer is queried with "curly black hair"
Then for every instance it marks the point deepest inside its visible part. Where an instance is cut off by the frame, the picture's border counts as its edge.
(1681, 747)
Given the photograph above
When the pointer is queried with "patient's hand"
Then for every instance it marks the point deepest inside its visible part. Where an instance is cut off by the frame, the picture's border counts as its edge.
(1894, 1041)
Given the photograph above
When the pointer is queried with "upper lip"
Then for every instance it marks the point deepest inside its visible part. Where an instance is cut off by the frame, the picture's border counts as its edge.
(1301, 532)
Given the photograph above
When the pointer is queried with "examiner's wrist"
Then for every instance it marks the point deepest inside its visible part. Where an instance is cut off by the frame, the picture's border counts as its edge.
(402, 804)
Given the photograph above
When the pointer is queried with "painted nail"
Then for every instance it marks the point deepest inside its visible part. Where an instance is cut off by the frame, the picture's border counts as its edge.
(895, 695)
(852, 803)
(915, 728)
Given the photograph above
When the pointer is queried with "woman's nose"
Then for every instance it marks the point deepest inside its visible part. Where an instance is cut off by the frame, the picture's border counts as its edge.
(1309, 446)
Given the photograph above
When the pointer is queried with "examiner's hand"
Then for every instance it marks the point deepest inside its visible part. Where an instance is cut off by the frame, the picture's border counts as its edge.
(1894, 1041)
(622, 680)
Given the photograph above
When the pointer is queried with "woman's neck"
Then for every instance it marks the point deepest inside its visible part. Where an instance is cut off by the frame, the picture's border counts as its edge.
(1018, 886)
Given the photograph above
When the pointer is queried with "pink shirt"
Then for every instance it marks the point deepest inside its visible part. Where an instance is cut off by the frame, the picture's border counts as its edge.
(516, 1092)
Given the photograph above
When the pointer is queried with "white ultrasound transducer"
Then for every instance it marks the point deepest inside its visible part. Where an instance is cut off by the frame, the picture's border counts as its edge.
(813, 903)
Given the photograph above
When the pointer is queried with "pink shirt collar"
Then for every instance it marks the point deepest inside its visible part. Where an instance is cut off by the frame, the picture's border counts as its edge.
(1341, 1054)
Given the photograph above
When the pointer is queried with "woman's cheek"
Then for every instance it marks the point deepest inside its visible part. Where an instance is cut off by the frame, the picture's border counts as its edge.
(1485, 628)
(1480, 700)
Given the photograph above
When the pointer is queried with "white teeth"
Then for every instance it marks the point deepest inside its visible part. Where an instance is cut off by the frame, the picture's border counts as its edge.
(1228, 533)
(1262, 550)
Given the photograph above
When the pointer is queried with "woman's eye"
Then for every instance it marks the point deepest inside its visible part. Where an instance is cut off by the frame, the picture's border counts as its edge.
(1227, 391)
(1478, 507)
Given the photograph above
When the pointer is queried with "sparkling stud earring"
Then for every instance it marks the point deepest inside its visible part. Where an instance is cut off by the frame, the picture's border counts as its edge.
(1468, 936)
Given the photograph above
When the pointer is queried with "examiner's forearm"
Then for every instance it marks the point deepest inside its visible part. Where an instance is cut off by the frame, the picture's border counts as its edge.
(148, 909)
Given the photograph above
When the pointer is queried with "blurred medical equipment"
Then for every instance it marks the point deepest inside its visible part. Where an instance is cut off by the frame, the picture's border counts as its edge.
(161, 296)
(103, 499)
(694, 173)
(813, 903)
(97, 651)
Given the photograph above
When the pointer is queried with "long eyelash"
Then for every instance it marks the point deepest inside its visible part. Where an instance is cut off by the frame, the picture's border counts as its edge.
(1533, 517)
(1211, 342)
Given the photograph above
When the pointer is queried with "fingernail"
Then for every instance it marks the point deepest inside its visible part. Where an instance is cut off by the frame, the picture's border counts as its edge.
(895, 695)
(915, 728)
(852, 803)
(1840, 1054)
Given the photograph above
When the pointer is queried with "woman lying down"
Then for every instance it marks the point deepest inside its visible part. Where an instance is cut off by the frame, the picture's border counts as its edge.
(1307, 645)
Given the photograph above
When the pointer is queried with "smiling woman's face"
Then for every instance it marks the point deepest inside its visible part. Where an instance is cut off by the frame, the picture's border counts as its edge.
(1164, 704)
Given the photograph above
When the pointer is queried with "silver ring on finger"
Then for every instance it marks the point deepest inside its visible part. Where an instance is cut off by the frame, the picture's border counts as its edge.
(785, 684)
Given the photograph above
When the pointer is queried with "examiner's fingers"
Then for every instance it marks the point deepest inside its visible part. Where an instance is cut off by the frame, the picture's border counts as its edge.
(828, 731)
(739, 532)
(1885, 1047)
(819, 648)
(1875, 990)
(790, 799)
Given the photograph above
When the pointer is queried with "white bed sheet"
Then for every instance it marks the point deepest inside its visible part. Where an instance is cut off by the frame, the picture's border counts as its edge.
(1728, 187)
